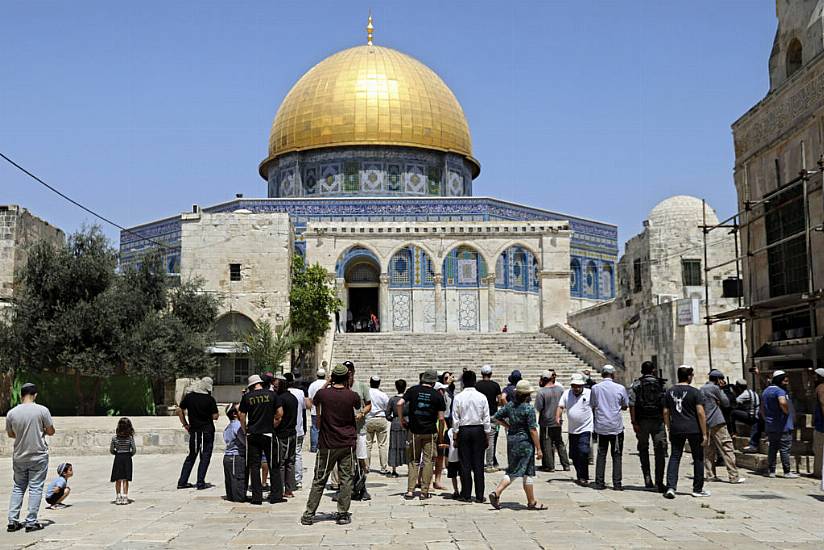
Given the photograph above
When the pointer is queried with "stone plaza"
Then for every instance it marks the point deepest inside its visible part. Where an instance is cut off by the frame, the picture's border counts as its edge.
(762, 513)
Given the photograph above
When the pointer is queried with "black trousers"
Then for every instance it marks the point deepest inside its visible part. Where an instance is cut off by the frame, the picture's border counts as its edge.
(552, 441)
(653, 428)
(287, 451)
(677, 442)
(471, 452)
(604, 442)
(234, 476)
(200, 443)
(256, 446)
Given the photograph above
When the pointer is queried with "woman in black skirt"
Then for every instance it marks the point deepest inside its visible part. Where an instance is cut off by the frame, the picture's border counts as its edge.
(397, 435)
(123, 448)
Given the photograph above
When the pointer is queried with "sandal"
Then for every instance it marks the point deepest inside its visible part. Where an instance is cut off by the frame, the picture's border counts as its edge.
(409, 496)
(536, 506)
(424, 496)
(495, 500)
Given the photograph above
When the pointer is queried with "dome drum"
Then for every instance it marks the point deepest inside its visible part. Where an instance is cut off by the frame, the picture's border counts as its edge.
(369, 171)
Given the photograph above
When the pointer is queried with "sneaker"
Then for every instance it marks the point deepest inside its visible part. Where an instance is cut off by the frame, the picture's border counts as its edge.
(366, 496)
(771, 474)
(14, 526)
(33, 527)
(739, 480)
(599, 486)
(307, 520)
(702, 494)
(58, 506)
(715, 479)
(184, 485)
(566, 468)
(749, 449)
(790, 475)
(670, 494)
(298, 486)
(343, 518)
(618, 487)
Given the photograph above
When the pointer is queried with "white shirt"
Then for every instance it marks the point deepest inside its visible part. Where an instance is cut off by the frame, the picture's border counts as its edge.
(313, 389)
(301, 409)
(379, 403)
(453, 450)
(471, 408)
(579, 411)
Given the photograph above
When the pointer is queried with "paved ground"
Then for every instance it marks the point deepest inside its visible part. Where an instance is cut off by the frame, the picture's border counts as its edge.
(763, 513)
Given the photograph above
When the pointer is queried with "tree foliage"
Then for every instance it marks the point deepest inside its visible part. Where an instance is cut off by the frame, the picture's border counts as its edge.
(73, 314)
(269, 349)
(313, 300)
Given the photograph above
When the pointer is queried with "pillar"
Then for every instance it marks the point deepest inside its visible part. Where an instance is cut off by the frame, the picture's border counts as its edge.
(492, 321)
(343, 296)
(440, 318)
(385, 309)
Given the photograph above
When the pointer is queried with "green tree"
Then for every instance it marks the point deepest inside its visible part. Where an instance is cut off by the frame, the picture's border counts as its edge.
(313, 300)
(267, 348)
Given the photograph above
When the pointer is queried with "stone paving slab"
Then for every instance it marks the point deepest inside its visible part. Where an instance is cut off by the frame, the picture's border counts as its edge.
(762, 513)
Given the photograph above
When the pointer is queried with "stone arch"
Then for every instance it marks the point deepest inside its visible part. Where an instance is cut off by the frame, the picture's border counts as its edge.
(230, 326)
(425, 247)
(517, 268)
(590, 279)
(356, 250)
(532, 250)
(488, 260)
(458, 272)
(411, 266)
(575, 276)
(795, 58)
(606, 280)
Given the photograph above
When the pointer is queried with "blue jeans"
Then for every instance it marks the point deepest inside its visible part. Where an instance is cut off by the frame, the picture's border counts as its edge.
(579, 454)
(780, 443)
(313, 435)
(31, 475)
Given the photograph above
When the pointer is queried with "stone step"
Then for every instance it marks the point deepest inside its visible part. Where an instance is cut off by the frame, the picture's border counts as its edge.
(758, 462)
(798, 448)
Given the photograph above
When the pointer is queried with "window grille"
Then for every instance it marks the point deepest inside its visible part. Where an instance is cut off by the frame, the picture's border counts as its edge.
(691, 272)
(787, 262)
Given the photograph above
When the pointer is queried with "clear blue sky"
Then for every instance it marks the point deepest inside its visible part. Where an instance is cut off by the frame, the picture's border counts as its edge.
(594, 108)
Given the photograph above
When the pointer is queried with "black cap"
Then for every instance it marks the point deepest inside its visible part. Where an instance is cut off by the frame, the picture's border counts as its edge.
(28, 389)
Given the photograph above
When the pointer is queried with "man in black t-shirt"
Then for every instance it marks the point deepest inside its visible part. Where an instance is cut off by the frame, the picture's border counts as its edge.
(685, 417)
(426, 407)
(646, 409)
(202, 411)
(286, 438)
(494, 396)
(260, 412)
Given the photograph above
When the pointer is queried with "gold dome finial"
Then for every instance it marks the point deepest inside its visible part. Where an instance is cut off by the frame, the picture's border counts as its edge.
(369, 30)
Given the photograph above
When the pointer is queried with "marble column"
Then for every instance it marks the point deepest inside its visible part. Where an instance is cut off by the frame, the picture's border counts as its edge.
(440, 318)
(385, 309)
(492, 321)
(343, 296)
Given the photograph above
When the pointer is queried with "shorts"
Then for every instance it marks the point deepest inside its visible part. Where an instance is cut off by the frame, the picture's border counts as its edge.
(453, 469)
(361, 451)
(54, 497)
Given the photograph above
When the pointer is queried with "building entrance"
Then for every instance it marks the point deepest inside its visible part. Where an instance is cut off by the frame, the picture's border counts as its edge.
(363, 306)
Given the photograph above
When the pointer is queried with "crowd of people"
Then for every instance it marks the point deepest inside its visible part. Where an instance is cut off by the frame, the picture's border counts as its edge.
(431, 427)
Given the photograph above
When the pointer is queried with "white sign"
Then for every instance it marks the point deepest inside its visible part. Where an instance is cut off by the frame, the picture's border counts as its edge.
(688, 311)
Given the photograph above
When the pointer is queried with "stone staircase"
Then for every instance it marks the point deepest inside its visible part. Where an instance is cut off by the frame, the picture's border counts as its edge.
(801, 454)
(405, 355)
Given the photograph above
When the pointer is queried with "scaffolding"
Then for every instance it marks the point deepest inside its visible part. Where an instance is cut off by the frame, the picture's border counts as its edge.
(792, 345)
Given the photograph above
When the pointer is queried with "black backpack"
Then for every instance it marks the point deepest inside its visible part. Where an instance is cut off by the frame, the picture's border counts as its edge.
(648, 395)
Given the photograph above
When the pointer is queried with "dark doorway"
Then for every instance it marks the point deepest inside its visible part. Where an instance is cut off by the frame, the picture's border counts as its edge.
(363, 302)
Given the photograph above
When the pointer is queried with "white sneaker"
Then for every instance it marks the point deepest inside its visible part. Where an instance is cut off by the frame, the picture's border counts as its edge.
(791, 475)
(739, 480)
(118, 499)
(670, 494)
(702, 494)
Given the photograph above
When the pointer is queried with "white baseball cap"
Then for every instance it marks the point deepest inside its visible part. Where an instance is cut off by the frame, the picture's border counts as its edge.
(486, 369)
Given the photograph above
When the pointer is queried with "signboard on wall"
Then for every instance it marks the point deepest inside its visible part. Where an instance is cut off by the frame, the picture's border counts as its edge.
(687, 311)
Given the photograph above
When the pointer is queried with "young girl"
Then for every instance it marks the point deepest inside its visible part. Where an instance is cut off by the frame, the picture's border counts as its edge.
(123, 448)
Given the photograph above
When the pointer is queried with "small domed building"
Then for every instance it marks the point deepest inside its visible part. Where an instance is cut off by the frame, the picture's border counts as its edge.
(369, 173)
(660, 304)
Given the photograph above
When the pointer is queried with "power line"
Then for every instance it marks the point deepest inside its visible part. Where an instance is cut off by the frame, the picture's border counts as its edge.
(74, 202)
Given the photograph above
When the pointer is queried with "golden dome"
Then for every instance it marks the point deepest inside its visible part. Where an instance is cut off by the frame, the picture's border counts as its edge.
(370, 95)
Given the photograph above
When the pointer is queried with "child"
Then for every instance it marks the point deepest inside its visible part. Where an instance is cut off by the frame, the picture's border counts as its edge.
(453, 466)
(234, 457)
(123, 448)
(58, 490)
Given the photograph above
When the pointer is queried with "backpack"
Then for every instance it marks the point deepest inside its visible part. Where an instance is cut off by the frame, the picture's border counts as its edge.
(648, 397)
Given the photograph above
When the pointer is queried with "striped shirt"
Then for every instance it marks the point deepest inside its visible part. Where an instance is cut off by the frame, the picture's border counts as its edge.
(122, 445)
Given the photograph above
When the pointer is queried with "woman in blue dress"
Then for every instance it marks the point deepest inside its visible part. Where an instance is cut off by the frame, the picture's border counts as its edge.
(518, 417)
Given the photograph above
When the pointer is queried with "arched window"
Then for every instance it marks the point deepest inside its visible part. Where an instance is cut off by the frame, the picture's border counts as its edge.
(464, 266)
(606, 285)
(400, 268)
(591, 280)
(232, 326)
(794, 56)
(575, 276)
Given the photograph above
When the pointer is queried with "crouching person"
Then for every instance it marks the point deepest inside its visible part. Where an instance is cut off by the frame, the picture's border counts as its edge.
(234, 457)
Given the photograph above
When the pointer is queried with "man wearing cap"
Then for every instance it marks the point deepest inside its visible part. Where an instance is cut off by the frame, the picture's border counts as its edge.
(509, 391)
(285, 443)
(201, 409)
(608, 400)
(313, 389)
(377, 429)
(260, 412)
(686, 420)
(747, 404)
(818, 423)
(28, 424)
(495, 398)
(546, 404)
(779, 422)
(471, 422)
(715, 400)
(646, 409)
(336, 405)
(426, 408)
(576, 401)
